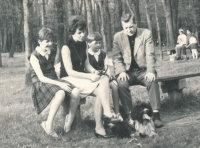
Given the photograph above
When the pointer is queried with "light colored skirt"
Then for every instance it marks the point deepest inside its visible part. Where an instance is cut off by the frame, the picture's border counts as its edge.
(85, 86)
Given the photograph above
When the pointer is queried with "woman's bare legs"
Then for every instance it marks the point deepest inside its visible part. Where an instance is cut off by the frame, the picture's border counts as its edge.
(103, 93)
(74, 102)
(98, 111)
(55, 104)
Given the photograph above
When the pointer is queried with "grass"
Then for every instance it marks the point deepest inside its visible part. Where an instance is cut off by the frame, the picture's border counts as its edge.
(19, 124)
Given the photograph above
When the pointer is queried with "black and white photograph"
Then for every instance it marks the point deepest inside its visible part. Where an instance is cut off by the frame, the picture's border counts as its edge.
(99, 74)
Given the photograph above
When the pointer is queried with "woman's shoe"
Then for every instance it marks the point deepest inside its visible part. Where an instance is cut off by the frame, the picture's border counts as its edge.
(103, 136)
(53, 133)
(110, 119)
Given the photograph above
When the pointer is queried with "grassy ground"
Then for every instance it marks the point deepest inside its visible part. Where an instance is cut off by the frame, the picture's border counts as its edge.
(19, 123)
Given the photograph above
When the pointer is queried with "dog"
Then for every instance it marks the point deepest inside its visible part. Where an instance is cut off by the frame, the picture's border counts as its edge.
(141, 123)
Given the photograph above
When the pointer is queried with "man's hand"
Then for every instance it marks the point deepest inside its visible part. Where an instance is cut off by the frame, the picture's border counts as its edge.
(123, 77)
(150, 77)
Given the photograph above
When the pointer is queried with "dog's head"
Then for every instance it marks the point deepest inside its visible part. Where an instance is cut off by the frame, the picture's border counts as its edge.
(141, 111)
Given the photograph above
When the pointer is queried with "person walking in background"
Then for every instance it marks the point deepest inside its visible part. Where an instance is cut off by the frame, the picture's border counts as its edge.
(99, 61)
(46, 88)
(192, 43)
(181, 42)
(134, 63)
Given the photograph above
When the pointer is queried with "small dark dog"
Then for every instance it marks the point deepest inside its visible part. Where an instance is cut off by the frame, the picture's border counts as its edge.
(141, 123)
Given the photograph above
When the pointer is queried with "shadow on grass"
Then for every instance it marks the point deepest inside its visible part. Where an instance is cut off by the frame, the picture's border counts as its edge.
(189, 100)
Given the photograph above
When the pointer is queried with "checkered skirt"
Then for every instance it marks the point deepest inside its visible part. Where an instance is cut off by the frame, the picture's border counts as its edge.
(43, 93)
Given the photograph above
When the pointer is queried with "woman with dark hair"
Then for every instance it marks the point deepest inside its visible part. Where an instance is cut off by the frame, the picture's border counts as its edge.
(192, 43)
(74, 63)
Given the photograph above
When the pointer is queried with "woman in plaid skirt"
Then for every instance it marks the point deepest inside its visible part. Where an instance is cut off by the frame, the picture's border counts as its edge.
(74, 63)
(46, 88)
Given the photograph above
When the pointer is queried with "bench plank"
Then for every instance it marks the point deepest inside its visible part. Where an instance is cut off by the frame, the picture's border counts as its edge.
(177, 77)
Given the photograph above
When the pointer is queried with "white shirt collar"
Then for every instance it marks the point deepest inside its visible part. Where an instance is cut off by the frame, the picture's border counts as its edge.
(42, 52)
(94, 53)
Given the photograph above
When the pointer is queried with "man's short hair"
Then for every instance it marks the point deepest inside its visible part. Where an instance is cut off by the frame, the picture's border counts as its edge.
(96, 36)
(45, 34)
(127, 17)
(76, 22)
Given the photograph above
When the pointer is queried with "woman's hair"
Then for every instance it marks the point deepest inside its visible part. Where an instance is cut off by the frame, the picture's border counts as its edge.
(76, 22)
(127, 17)
(189, 29)
(45, 34)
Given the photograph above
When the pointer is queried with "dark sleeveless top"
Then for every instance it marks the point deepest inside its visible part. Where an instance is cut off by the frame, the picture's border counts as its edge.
(78, 56)
(47, 66)
(97, 65)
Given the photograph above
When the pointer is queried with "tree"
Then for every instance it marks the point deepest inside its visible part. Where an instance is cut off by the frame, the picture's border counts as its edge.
(0, 49)
(101, 7)
(108, 28)
(158, 30)
(60, 28)
(174, 6)
(16, 28)
(43, 12)
(148, 15)
(89, 17)
(137, 11)
(26, 5)
(167, 9)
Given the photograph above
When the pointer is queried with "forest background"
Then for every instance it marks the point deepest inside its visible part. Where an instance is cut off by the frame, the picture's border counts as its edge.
(20, 20)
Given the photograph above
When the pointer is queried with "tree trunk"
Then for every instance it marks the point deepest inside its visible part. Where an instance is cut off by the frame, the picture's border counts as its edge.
(108, 24)
(174, 6)
(101, 3)
(98, 18)
(85, 10)
(43, 12)
(89, 17)
(158, 30)
(167, 9)
(1, 45)
(193, 4)
(70, 8)
(17, 31)
(137, 11)
(130, 8)
(26, 39)
(148, 16)
(60, 28)
(4, 40)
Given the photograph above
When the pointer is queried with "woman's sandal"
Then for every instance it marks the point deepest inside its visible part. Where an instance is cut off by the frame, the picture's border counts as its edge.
(67, 128)
(53, 133)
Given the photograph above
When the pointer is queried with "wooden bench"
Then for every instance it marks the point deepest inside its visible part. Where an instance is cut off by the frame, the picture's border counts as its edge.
(173, 85)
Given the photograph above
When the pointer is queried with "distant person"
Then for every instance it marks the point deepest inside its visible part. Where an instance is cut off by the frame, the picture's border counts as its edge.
(192, 43)
(99, 61)
(134, 63)
(46, 88)
(181, 42)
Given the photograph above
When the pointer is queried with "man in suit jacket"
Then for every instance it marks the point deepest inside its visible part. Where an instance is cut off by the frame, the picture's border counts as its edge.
(134, 63)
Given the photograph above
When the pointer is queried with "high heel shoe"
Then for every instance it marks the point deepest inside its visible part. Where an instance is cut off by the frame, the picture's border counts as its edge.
(111, 119)
(103, 136)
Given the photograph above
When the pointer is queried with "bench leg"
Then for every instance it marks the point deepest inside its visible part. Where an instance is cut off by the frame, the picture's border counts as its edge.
(176, 96)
